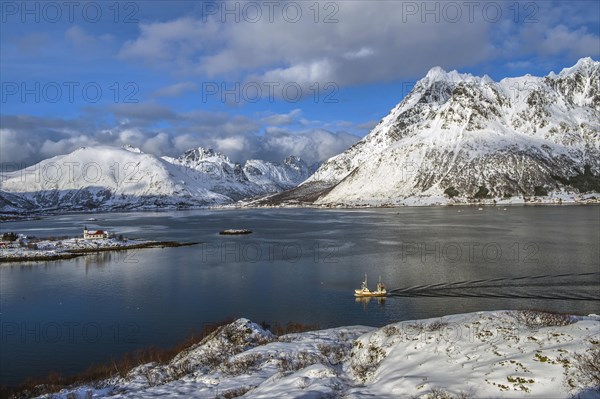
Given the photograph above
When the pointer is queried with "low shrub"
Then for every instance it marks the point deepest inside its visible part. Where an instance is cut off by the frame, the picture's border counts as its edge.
(587, 366)
(437, 393)
(242, 364)
(301, 360)
(451, 192)
(539, 318)
(436, 325)
(234, 393)
(482, 192)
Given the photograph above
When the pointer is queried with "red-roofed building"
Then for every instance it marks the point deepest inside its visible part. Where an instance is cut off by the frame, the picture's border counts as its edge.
(94, 235)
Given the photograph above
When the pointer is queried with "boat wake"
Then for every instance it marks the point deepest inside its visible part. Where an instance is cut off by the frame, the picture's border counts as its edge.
(578, 287)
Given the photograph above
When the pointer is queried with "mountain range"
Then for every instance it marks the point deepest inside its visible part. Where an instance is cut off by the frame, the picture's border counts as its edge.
(455, 138)
(113, 178)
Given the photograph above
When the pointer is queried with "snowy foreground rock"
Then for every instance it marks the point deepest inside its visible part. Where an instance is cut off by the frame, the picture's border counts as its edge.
(501, 354)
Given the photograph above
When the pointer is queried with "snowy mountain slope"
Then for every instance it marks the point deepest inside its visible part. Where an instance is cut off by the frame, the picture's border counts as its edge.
(500, 354)
(104, 177)
(12, 203)
(476, 139)
(276, 177)
(254, 178)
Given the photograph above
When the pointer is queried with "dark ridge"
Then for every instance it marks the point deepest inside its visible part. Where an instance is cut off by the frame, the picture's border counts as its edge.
(304, 194)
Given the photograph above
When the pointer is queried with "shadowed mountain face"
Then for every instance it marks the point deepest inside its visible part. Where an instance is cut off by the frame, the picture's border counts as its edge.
(462, 138)
(110, 178)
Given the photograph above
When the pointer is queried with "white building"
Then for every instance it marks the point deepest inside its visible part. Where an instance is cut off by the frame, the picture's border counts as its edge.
(94, 235)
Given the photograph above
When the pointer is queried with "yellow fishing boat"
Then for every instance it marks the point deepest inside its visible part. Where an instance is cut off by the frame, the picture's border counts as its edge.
(364, 291)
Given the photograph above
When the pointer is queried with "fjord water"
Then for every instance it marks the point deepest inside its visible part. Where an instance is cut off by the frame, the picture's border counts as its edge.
(299, 265)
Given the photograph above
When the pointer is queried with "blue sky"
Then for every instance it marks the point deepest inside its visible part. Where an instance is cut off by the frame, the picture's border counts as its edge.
(152, 74)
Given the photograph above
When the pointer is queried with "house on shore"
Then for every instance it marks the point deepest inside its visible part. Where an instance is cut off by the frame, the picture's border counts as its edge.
(94, 235)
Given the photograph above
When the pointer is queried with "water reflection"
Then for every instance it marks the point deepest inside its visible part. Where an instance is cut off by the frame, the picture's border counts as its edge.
(366, 300)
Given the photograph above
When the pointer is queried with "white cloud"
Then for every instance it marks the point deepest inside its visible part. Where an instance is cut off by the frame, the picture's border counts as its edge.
(577, 43)
(282, 119)
(157, 144)
(12, 148)
(371, 42)
(31, 139)
(79, 37)
(367, 44)
(52, 148)
(169, 42)
(176, 90)
(231, 145)
(134, 137)
(362, 53)
(312, 145)
(557, 29)
(304, 74)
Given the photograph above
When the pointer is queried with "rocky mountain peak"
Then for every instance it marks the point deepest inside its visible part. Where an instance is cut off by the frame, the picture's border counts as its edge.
(200, 154)
(438, 74)
(295, 162)
(584, 65)
(133, 149)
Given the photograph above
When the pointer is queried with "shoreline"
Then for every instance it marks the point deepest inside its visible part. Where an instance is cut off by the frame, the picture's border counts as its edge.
(75, 253)
(41, 214)
(150, 244)
(41, 258)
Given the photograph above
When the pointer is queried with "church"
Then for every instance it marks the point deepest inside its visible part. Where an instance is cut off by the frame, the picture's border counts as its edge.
(94, 235)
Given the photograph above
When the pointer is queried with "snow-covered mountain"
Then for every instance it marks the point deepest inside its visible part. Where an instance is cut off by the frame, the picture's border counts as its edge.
(104, 177)
(221, 175)
(457, 137)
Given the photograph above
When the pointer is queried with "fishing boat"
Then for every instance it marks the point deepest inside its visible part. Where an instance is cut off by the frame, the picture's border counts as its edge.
(364, 291)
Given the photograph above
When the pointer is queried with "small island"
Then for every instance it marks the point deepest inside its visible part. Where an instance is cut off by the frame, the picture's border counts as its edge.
(19, 247)
(233, 232)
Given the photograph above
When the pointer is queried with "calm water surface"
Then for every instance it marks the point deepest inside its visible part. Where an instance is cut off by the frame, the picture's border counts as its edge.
(299, 265)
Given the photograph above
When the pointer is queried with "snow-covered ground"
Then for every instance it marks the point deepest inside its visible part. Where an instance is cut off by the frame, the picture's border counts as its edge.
(56, 248)
(554, 198)
(500, 354)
